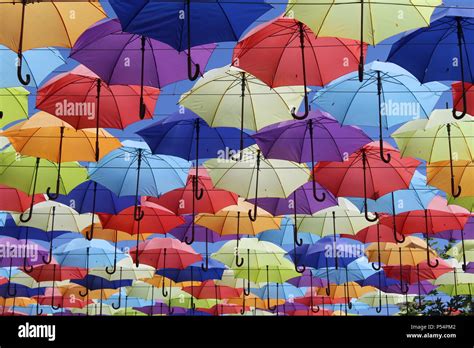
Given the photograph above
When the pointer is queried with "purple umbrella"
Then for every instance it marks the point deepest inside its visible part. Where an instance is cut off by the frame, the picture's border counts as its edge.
(305, 281)
(301, 201)
(128, 59)
(18, 253)
(317, 138)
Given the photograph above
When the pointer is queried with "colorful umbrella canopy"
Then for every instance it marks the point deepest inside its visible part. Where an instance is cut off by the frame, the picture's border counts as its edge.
(31, 25)
(372, 23)
(448, 37)
(216, 22)
(13, 105)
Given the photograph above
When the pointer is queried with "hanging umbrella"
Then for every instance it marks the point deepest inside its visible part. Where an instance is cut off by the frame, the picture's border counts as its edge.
(91, 197)
(356, 270)
(28, 25)
(301, 201)
(366, 174)
(188, 136)
(63, 143)
(417, 196)
(413, 274)
(136, 171)
(80, 98)
(36, 63)
(231, 97)
(365, 20)
(182, 25)
(13, 105)
(285, 236)
(286, 52)
(463, 251)
(194, 272)
(461, 94)
(201, 233)
(455, 283)
(278, 178)
(153, 219)
(234, 220)
(388, 96)
(32, 175)
(446, 175)
(14, 200)
(448, 44)
(465, 202)
(122, 58)
(381, 299)
(437, 139)
(198, 196)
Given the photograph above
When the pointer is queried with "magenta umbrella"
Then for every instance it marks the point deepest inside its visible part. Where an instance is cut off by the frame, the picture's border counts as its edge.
(129, 59)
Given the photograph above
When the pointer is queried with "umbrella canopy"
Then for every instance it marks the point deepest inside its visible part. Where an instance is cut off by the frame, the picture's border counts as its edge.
(118, 55)
(37, 63)
(461, 94)
(80, 98)
(447, 175)
(14, 200)
(48, 137)
(13, 105)
(118, 171)
(32, 25)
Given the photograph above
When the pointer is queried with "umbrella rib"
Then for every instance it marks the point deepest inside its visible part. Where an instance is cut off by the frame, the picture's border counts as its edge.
(8, 90)
(64, 24)
(291, 38)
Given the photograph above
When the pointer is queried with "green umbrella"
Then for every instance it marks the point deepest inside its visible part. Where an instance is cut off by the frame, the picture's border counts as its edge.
(455, 283)
(463, 251)
(255, 176)
(13, 105)
(34, 175)
(465, 202)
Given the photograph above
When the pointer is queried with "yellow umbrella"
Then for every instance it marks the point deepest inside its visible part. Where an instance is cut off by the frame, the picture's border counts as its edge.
(32, 24)
(45, 136)
(369, 21)
(439, 175)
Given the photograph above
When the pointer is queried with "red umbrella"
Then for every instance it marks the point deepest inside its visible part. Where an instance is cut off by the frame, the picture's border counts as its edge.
(165, 253)
(80, 98)
(54, 271)
(365, 174)
(53, 297)
(461, 103)
(286, 52)
(183, 200)
(437, 218)
(415, 274)
(156, 219)
(17, 201)
(208, 289)
(374, 233)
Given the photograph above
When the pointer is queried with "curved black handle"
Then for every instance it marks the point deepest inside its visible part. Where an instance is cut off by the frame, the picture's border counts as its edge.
(114, 268)
(85, 293)
(30, 213)
(460, 36)
(191, 76)
(297, 241)
(55, 307)
(52, 196)
(368, 218)
(242, 310)
(306, 108)
(90, 232)
(49, 259)
(198, 192)
(27, 268)
(191, 240)
(206, 267)
(9, 292)
(382, 155)
(239, 261)
(138, 213)
(300, 270)
(361, 69)
(24, 81)
(376, 268)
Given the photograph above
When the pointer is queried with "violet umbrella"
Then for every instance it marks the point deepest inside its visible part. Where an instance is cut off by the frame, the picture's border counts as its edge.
(317, 138)
(301, 201)
(121, 58)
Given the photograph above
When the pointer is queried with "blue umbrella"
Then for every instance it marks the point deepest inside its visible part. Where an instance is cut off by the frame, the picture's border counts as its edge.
(448, 45)
(93, 282)
(189, 137)
(37, 63)
(91, 197)
(355, 270)
(416, 197)
(283, 291)
(169, 22)
(388, 96)
(195, 272)
(285, 235)
(136, 171)
(83, 253)
(19, 291)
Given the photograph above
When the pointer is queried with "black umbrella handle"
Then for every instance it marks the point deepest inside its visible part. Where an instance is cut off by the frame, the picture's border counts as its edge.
(361, 58)
(379, 95)
(305, 84)
(27, 80)
(394, 224)
(35, 178)
(297, 241)
(54, 196)
(453, 191)
(243, 84)
(366, 205)
(142, 109)
(379, 262)
(313, 180)
(191, 76)
(463, 80)
(253, 215)
(428, 261)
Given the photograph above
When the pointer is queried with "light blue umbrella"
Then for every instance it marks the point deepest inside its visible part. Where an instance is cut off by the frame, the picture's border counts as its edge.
(83, 253)
(388, 95)
(136, 171)
(356, 270)
(416, 197)
(285, 235)
(38, 63)
(282, 291)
